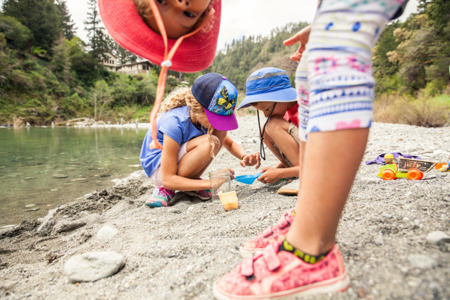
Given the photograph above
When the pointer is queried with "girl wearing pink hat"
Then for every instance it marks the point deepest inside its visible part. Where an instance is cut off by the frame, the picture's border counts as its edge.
(188, 45)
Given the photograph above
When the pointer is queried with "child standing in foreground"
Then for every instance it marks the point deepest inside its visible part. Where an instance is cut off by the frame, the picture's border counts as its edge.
(335, 92)
(192, 130)
(269, 90)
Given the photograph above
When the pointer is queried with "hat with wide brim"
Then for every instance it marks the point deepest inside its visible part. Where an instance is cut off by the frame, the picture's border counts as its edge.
(126, 26)
(268, 85)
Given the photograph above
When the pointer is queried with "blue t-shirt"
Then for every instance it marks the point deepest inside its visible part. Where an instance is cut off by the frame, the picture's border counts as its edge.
(176, 124)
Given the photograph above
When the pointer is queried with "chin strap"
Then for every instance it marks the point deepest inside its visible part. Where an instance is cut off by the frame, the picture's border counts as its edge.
(166, 64)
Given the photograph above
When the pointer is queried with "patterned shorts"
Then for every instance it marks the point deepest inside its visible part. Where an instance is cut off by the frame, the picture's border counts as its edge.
(334, 77)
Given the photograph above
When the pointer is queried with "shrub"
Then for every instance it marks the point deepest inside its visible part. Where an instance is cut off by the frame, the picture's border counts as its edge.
(420, 111)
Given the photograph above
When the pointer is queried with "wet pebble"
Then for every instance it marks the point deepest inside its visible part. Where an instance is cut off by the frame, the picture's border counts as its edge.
(60, 176)
(32, 209)
(78, 179)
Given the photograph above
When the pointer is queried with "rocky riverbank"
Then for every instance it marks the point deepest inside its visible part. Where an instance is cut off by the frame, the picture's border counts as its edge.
(393, 234)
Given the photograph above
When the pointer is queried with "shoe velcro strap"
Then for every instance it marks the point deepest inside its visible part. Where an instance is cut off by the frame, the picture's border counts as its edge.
(271, 258)
(267, 232)
(283, 222)
(247, 267)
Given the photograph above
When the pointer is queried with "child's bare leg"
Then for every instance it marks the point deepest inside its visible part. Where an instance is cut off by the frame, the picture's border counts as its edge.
(302, 147)
(278, 139)
(198, 156)
(335, 154)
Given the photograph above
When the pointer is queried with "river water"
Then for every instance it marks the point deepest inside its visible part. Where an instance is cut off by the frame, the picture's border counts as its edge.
(41, 168)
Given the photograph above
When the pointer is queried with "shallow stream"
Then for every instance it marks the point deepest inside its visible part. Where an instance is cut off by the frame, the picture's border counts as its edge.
(41, 168)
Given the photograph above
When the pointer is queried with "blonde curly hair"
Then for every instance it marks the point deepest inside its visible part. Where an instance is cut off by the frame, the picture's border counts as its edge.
(144, 9)
(182, 96)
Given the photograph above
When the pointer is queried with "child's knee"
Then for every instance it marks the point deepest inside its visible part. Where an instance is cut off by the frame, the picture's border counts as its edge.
(275, 125)
(210, 144)
(215, 141)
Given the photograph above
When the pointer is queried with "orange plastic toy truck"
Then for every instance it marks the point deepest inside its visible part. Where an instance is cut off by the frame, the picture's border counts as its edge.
(413, 169)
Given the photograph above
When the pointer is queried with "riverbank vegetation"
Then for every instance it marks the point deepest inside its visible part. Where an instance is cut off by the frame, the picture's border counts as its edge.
(48, 74)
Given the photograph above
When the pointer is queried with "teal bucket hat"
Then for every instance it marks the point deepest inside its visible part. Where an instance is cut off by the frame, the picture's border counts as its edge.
(268, 85)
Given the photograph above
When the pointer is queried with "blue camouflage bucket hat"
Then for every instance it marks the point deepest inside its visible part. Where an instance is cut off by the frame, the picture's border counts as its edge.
(268, 85)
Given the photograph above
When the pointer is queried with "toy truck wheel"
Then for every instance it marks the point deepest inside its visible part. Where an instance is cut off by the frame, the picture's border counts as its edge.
(388, 175)
(414, 174)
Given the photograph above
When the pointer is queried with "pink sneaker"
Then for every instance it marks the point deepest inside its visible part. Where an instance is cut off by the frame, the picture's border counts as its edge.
(275, 274)
(202, 194)
(272, 234)
(160, 197)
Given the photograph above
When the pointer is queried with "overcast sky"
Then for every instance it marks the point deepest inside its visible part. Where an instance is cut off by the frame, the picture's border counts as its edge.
(240, 17)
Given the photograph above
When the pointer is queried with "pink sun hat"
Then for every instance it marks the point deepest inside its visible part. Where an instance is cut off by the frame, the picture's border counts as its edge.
(126, 26)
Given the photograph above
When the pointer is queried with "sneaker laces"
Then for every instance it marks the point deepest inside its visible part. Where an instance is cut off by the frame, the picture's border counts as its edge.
(165, 192)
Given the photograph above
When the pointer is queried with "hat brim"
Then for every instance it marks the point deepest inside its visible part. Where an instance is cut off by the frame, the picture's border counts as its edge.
(284, 95)
(222, 123)
(126, 26)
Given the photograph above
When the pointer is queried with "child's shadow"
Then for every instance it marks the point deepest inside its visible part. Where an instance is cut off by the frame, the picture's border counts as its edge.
(182, 196)
(243, 191)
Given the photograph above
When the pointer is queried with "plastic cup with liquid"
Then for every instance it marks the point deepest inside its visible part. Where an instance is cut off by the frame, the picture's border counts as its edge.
(220, 183)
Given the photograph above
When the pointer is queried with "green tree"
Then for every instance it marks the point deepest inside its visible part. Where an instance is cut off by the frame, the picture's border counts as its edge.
(17, 36)
(83, 64)
(67, 24)
(97, 37)
(101, 98)
(60, 62)
(40, 16)
(123, 54)
(385, 70)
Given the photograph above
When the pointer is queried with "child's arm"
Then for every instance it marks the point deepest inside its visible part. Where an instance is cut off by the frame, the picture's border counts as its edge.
(272, 175)
(301, 37)
(237, 150)
(169, 167)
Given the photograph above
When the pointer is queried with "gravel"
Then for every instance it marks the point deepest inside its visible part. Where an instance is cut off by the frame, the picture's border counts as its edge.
(179, 251)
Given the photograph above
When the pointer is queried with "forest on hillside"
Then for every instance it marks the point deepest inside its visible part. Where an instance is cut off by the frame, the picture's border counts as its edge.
(48, 74)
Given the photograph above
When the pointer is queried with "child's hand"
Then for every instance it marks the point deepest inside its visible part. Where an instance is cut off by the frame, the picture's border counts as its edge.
(301, 37)
(270, 175)
(251, 160)
(217, 182)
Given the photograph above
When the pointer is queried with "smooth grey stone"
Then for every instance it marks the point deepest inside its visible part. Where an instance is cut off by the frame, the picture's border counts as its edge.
(437, 237)
(93, 266)
(60, 176)
(32, 209)
(106, 233)
(47, 223)
(65, 226)
(379, 241)
(421, 261)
